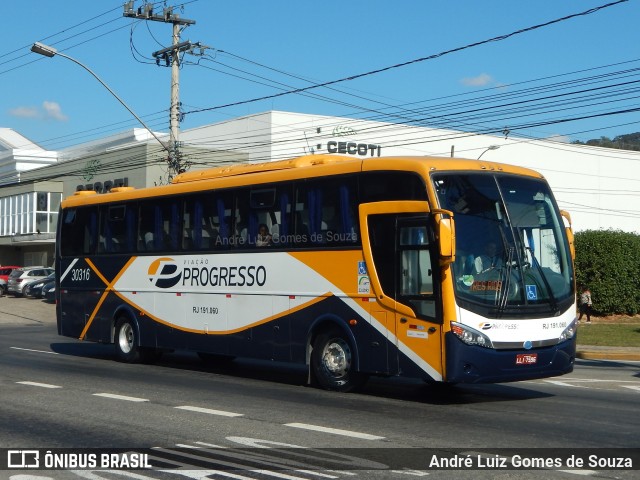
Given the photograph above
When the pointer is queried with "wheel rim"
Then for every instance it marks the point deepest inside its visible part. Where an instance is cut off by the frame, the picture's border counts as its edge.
(125, 338)
(336, 358)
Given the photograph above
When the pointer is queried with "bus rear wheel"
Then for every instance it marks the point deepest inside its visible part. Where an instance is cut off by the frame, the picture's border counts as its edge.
(333, 363)
(126, 341)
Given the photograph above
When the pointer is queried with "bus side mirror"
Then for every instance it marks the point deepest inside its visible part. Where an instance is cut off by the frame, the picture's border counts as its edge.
(569, 232)
(446, 233)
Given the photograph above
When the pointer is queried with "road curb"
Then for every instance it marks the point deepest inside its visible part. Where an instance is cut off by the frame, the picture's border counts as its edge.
(608, 355)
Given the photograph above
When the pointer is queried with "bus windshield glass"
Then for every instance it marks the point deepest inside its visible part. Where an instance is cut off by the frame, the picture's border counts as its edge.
(512, 256)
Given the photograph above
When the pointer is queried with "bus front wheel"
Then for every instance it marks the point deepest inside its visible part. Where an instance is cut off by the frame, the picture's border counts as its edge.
(126, 341)
(333, 363)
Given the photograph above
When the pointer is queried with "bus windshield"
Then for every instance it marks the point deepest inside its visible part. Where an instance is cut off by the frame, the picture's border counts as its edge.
(511, 253)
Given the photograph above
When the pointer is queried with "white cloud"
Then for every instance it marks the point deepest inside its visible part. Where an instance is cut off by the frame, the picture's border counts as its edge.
(480, 81)
(48, 111)
(53, 110)
(24, 112)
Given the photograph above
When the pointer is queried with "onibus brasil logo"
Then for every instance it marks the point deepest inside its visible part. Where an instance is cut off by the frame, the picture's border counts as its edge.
(163, 272)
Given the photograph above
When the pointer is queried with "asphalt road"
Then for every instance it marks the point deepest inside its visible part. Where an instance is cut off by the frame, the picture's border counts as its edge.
(208, 421)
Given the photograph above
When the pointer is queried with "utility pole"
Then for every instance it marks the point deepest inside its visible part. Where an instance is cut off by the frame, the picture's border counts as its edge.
(171, 56)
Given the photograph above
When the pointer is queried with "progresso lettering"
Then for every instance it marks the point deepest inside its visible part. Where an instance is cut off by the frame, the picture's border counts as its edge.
(243, 276)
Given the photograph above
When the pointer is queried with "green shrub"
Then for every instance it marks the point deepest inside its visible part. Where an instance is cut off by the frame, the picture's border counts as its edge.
(608, 262)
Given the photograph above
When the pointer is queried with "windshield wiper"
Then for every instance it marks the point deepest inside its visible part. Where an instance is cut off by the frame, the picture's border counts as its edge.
(506, 271)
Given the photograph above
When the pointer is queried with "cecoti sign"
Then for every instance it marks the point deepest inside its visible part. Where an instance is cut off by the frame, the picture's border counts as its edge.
(353, 148)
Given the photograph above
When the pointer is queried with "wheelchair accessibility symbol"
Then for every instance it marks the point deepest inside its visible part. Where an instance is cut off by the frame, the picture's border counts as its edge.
(362, 268)
(532, 292)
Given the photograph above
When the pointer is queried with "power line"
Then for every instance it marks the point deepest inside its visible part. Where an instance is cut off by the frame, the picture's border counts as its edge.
(417, 60)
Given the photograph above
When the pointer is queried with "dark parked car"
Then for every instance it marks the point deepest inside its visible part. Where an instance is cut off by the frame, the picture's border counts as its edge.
(49, 292)
(34, 289)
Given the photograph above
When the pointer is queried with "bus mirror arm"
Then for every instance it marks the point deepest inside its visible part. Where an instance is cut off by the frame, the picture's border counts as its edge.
(446, 236)
(569, 231)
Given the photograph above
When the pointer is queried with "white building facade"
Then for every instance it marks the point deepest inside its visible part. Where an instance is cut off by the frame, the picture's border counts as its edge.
(599, 187)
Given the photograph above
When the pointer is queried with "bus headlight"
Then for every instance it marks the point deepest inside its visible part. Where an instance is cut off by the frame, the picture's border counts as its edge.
(470, 336)
(568, 332)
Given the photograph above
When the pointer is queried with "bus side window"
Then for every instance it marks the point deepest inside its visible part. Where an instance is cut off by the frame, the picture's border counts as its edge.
(416, 273)
(158, 226)
(222, 217)
(149, 228)
(328, 209)
(130, 229)
(188, 223)
(416, 262)
(200, 223)
(281, 216)
(171, 222)
(79, 231)
(112, 229)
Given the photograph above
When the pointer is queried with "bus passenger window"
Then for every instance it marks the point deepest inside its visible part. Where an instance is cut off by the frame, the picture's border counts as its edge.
(79, 231)
(113, 235)
(328, 209)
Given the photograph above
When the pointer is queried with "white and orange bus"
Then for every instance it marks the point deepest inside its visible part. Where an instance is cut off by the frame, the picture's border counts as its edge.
(450, 270)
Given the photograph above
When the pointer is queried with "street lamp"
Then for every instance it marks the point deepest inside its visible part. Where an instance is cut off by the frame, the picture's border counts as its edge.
(48, 51)
(491, 147)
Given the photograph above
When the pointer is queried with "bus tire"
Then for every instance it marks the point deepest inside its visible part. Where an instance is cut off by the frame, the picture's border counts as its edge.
(333, 363)
(126, 341)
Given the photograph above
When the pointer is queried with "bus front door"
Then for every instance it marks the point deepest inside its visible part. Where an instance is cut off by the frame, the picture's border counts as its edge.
(402, 261)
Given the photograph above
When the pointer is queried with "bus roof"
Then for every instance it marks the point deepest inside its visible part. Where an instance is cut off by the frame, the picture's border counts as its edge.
(295, 168)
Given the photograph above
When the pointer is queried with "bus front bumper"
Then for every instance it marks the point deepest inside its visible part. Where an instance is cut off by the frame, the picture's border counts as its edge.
(473, 364)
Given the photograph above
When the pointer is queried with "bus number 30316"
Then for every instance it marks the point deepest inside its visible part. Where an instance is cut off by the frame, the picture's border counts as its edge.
(80, 274)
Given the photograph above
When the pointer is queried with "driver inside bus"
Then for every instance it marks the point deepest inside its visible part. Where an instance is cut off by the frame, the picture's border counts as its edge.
(489, 259)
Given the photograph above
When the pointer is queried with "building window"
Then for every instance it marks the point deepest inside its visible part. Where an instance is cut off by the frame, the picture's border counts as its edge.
(28, 213)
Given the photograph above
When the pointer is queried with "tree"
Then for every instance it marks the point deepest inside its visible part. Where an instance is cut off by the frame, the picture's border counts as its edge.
(629, 141)
(608, 261)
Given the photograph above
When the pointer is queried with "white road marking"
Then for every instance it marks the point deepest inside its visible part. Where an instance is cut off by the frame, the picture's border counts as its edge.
(36, 384)
(32, 350)
(596, 380)
(210, 411)
(589, 383)
(335, 431)
(415, 473)
(564, 384)
(206, 474)
(586, 473)
(632, 387)
(90, 475)
(29, 477)
(317, 474)
(120, 397)
(265, 458)
(232, 464)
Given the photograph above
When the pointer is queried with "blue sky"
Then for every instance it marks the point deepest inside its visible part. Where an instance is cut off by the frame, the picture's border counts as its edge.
(259, 49)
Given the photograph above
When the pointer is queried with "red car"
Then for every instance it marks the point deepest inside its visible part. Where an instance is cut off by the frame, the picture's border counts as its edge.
(5, 271)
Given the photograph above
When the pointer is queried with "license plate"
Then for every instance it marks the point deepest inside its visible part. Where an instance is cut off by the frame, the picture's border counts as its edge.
(526, 358)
